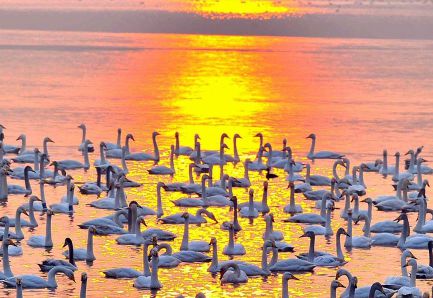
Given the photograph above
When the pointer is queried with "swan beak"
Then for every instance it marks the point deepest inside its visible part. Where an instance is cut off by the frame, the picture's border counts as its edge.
(10, 242)
(303, 235)
(294, 277)
(31, 170)
(143, 222)
(49, 140)
(73, 278)
(19, 138)
(407, 153)
(25, 212)
(340, 285)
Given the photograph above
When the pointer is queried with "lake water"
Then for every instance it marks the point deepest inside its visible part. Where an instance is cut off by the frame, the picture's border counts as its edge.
(358, 95)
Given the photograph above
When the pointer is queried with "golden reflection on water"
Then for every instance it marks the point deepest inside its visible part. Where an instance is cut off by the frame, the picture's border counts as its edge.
(283, 87)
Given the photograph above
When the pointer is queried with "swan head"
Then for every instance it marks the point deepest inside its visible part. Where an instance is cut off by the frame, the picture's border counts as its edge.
(48, 140)
(426, 183)
(2, 127)
(402, 216)
(21, 137)
(354, 282)
(36, 150)
(185, 215)
(226, 268)
(10, 242)
(368, 201)
(336, 284)
(22, 210)
(361, 217)
(29, 169)
(288, 275)
(68, 273)
(142, 221)
(88, 142)
(130, 136)
(224, 135)
(411, 152)
(342, 231)
(134, 204)
(4, 219)
(341, 272)
(224, 146)
(210, 215)
(44, 157)
(258, 135)
(82, 126)
(18, 281)
(291, 185)
(268, 146)
(154, 240)
(84, 274)
(311, 136)
(155, 133)
(213, 240)
(237, 136)
(397, 154)
(103, 145)
(50, 212)
(309, 234)
(408, 254)
(93, 230)
(341, 163)
(430, 247)
(251, 192)
(411, 262)
(234, 199)
(68, 241)
(378, 162)
(355, 197)
(419, 149)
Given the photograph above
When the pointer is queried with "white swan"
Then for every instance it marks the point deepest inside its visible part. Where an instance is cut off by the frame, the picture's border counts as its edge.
(69, 164)
(292, 208)
(232, 248)
(358, 186)
(396, 282)
(411, 290)
(305, 186)
(269, 233)
(134, 238)
(84, 145)
(46, 240)
(417, 241)
(117, 153)
(13, 249)
(184, 150)
(292, 265)
(141, 156)
(35, 282)
(7, 271)
(321, 154)
(312, 218)
(261, 206)
(164, 170)
(385, 169)
(322, 230)
(426, 271)
(166, 260)
(93, 188)
(214, 159)
(117, 145)
(68, 207)
(234, 276)
(258, 165)
(186, 245)
(249, 211)
(245, 181)
(285, 283)
(397, 175)
(226, 225)
(150, 282)
(18, 189)
(129, 273)
(82, 254)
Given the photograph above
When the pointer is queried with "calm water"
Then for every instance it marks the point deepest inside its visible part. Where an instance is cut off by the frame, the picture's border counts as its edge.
(358, 96)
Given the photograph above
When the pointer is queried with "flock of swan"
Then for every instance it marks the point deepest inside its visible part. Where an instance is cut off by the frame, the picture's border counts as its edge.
(126, 221)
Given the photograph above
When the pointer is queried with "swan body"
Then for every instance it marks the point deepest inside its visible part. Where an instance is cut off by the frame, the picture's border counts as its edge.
(36, 282)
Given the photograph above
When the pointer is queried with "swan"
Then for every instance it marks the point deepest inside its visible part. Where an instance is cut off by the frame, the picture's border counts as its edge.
(397, 203)
(353, 291)
(334, 285)
(199, 166)
(134, 238)
(417, 241)
(411, 290)
(184, 150)
(7, 148)
(292, 265)
(385, 169)
(55, 178)
(245, 181)
(321, 154)
(81, 254)
(48, 264)
(32, 156)
(235, 158)
(13, 250)
(35, 282)
(186, 245)
(166, 260)
(396, 282)
(164, 170)
(413, 165)
(215, 159)
(312, 218)
(18, 189)
(141, 156)
(382, 198)
(117, 145)
(193, 219)
(279, 154)
(115, 199)
(258, 165)
(320, 230)
(16, 222)
(364, 241)
(296, 166)
(249, 269)
(305, 186)
(93, 188)
(250, 211)
(226, 225)
(267, 148)
(193, 202)
(84, 145)
(285, 283)
(328, 260)
(386, 226)
(129, 273)
(358, 187)
(117, 152)
(269, 233)
(68, 207)
(260, 206)
(207, 153)
(150, 282)
(107, 225)
(46, 240)
(221, 189)
(23, 148)
(69, 164)
(426, 271)
(234, 276)
(189, 256)
(397, 175)
(233, 249)
(292, 208)
(191, 187)
(7, 271)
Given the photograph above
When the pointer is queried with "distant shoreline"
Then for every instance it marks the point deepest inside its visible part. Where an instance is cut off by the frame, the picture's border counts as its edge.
(310, 25)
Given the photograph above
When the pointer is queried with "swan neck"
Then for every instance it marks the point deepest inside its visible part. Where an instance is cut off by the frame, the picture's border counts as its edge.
(231, 239)
(90, 255)
(348, 240)
(27, 182)
(185, 238)
(146, 269)
(367, 224)
(154, 276)
(48, 238)
(235, 149)
(160, 211)
(311, 249)
(338, 247)
(285, 288)
(83, 289)
(155, 148)
(313, 145)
